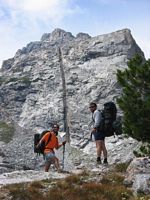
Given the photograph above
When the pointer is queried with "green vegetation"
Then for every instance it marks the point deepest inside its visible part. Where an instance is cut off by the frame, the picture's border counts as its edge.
(26, 80)
(135, 99)
(144, 150)
(12, 80)
(2, 80)
(6, 131)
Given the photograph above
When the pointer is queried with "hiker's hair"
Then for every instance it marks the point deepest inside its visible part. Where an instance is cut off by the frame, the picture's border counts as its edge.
(93, 104)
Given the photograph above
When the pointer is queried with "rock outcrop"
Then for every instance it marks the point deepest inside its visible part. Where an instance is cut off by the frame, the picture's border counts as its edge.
(138, 175)
(31, 88)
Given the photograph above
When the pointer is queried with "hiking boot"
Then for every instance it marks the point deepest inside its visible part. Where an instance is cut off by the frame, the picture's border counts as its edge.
(105, 161)
(98, 160)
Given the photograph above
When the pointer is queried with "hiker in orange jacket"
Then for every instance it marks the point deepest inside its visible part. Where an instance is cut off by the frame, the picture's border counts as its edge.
(51, 141)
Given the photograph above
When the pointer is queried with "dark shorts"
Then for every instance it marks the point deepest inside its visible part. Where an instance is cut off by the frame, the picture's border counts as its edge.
(99, 136)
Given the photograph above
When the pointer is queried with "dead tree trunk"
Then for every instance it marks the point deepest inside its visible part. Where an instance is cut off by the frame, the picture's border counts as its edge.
(65, 107)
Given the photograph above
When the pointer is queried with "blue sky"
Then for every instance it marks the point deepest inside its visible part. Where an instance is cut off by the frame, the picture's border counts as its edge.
(24, 21)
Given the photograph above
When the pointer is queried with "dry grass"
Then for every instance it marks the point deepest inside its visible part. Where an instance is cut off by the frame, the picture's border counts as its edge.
(121, 167)
(74, 187)
(24, 192)
(112, 179)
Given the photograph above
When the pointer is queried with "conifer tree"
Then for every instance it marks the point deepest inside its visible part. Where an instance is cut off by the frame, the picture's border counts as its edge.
(135, 98)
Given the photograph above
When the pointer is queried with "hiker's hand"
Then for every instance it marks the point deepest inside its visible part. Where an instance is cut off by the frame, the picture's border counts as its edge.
(94, 130)
(63, 143)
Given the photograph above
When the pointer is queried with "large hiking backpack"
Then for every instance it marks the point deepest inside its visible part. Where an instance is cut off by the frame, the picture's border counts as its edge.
(40, 148)
(108, 118)
(117, 125)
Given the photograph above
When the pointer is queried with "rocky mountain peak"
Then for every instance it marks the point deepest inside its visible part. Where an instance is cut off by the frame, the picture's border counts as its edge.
(83, 36)
(40, 81)
(57, 35)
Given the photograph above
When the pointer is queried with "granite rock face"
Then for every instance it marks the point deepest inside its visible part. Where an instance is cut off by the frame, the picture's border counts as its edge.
(62, 68)
(53, 80)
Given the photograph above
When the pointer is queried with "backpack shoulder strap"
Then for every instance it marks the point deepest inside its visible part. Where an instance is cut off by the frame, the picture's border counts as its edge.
(101, 112)
(49, 138)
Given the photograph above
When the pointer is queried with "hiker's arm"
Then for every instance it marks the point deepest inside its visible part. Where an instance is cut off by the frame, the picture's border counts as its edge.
(97, 120)
(60, 145)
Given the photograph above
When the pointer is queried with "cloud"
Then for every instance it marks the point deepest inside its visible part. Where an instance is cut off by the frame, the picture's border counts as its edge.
(35, 11)
(23, 21)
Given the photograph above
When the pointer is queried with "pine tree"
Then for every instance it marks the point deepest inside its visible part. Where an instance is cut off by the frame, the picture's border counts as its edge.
(135, 98)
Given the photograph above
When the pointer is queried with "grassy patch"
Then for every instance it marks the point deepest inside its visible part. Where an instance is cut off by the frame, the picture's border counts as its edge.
(74, 187)
(2, 80)
(6, 131)
(26, 80)
(121, 167)
(24, 192)
(12, 80)
(112, 179)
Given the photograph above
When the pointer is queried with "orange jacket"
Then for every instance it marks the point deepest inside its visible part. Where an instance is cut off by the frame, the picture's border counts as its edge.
(53, 142)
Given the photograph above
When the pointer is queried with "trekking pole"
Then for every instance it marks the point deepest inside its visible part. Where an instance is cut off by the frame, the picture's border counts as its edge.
(63, 156)
(35, 161)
